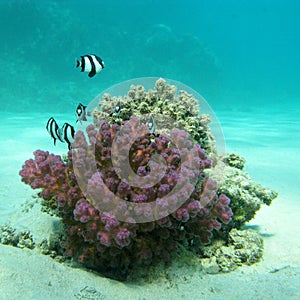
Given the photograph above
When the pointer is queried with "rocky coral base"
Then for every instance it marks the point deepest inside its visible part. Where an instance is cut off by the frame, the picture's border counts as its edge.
(22, 239)
(244, 247)
(246, 196)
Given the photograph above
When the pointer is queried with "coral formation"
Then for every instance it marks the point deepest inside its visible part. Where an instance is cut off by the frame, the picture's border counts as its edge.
(234, 160)
(22, 239)
(244, 247)
(97, 238)
(172, 109)
(246, 196)
(116, 217)
(52, 247)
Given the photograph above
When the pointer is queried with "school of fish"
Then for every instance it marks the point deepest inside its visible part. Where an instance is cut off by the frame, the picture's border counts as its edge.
(92, 64)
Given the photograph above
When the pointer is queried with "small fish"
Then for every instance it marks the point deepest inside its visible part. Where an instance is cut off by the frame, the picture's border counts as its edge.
(68, 133)
(54, 130)
(81, 112)
(151, 124)
(118, 108)
(92, 64)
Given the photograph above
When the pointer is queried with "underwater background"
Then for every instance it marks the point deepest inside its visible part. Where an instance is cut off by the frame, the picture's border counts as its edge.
(234, 53)
(241, 56)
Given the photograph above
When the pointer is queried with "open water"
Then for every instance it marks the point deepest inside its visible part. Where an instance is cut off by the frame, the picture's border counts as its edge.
(241, 56)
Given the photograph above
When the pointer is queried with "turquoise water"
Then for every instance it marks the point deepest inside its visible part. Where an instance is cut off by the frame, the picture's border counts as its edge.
(233, 52)
(241, 56)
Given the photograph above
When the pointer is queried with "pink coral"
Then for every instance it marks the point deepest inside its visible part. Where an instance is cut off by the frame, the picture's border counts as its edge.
(95, 236)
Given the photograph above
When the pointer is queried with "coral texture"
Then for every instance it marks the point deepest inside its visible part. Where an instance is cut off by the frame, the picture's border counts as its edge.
(246, 196)
(172, 109)
(244, 247)
(234, 160)
(94, 235)
(22, 239)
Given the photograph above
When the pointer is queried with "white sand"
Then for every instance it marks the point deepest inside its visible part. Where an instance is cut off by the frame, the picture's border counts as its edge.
(27, 274)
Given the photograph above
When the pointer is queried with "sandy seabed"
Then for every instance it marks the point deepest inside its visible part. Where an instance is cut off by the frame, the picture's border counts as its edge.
(272, 152)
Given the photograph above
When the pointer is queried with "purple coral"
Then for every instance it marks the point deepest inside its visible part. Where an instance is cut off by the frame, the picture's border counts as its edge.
(95, 236)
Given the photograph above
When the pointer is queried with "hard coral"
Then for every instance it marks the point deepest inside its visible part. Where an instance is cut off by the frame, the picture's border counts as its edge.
(102, 212)
(171, 107)
(244, 247)
(246, 196)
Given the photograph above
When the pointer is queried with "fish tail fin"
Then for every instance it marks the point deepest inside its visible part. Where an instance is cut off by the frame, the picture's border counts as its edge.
(77, 62)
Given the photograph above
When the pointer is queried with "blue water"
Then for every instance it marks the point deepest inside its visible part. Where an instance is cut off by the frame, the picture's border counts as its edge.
(232, 52)
(241, 56)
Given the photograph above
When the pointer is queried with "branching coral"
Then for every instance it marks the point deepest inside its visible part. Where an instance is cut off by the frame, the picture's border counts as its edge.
(102, 214)
(172, 109)
(128, 196)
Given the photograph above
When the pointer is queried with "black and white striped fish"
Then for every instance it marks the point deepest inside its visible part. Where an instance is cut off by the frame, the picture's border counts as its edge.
(151, 124)
(81, 112)
(68, 133)
(64, 134)
(90, 63)
(54, 130)
(118, 108)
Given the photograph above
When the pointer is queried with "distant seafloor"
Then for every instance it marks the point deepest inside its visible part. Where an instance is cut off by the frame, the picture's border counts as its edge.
(269, 139)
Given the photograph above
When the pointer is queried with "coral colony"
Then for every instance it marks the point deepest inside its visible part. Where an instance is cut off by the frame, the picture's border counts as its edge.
(97, 238)
(115, 224)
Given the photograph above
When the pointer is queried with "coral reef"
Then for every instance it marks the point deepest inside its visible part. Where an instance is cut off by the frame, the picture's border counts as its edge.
(22, 239)
(178, 108)
(97, 238)
(52, 247)
(244, 247)
(234, 160)
(246, 195)
(172, 109)
(129, 197)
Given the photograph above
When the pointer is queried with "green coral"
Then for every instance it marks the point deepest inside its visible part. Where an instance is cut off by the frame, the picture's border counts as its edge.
(22, 239)
(246, 195)
(170, 107)
(234, 160)
(244, 247)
